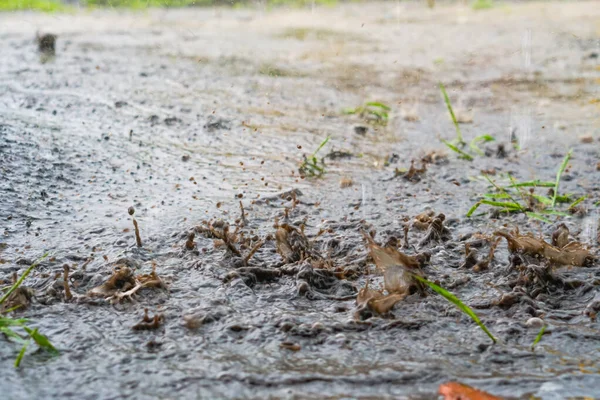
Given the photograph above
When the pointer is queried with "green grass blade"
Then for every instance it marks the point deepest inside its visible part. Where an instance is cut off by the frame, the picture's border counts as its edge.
(21, 354)
(456, 301)
(480, 139)
(535, 183)
(542, 199)
(554, 212)
(381, 115)
(378, 105)
(576, 202)
(459, 136)
(501, 189)
(41, 340)
(560, 171)
(323, 143)
(461, 153)
(538, 217)
(497, 196)
(11, 322)
(538, 337)
(473, 209)
(22, 278)
(504, 204)
(12, 335)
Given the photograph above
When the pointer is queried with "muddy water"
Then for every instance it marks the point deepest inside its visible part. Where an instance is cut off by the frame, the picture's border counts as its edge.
(183, 113)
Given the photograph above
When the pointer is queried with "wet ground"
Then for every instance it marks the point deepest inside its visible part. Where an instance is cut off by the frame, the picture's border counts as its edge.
(185, 113)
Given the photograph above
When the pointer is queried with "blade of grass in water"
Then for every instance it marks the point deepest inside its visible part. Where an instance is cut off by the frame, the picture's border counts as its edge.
(21, 354)
(536, 183)
(379, 105)
(461, 153)
(459, 136)
(12, 335)
(501, 189)
(22, 278)
(41, 340)
(538, 337)
(508, 206)
(562, 168)
(496, 196)
(456, 301)
(576, 202)
(323, 143)
(538, 217)
(480, 139)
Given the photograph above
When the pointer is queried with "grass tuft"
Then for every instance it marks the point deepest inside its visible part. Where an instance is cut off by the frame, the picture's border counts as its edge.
(459, 143)
(513, 199)
(311, 165)
(560, 171)
(8, 324)
(372, 111)
(459, 137)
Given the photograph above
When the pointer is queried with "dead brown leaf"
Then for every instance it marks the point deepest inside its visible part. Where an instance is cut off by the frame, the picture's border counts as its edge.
(573, 253)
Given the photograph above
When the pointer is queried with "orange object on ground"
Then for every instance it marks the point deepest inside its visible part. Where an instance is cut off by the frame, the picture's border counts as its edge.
(459, 391)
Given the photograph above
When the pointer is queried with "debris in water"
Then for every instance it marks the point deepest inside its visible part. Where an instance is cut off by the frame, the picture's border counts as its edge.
(122, 279)
(189, 244)
(68, 295)
(371, 301)
(290, 346)
(573, 253)
(435, 157)
(20, 298)
(292, 244)
(46, 44)
(361, 130)
(423, 220)
(346, 182)
(413, 174)
(385, 257)
(436, 232)
(560, 237)
(149, 323)
(459, 391)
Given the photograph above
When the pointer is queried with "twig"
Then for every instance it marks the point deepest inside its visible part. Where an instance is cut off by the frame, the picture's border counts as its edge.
(253, 251)
(68, 295)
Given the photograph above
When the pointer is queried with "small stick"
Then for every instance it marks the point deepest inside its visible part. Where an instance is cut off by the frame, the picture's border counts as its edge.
(253, 251)
(68, 294)
(138, 238)
(406, 228)
(228, 243)
(244, 220)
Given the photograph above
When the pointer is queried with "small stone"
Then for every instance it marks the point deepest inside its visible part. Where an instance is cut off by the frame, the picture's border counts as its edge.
(586, 139)
(534, 322)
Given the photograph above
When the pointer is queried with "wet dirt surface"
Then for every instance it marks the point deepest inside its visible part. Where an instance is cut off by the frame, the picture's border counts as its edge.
(182, 114)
